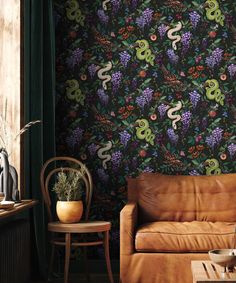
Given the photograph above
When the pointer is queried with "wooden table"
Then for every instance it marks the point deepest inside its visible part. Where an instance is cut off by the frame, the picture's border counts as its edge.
(207, 271)
(18, 207)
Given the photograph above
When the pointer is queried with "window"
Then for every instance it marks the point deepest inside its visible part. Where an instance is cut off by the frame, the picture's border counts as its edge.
(10, 78)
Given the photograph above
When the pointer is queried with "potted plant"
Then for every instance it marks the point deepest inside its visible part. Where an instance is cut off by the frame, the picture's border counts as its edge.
(68, 188)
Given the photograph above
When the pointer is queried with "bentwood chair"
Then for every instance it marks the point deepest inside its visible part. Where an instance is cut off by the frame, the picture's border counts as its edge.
(73, 235)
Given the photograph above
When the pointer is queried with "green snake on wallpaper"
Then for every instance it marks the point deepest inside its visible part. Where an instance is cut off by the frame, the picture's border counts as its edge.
(73, 12)
(213, 91)
(212, 167)
(105, 78)
(143, 52)
(213, 12)
(105, 157)
(175, 38)
(143, 132)
(73, 91)
(174, 117)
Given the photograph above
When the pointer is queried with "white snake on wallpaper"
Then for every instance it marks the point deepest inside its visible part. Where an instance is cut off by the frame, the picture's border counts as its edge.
(105, 78)
(176, 117)
(174, 38)
(105, 157)
(104, 4)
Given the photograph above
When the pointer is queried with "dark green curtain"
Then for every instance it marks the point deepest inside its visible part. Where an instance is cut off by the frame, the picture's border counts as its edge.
(39, 97)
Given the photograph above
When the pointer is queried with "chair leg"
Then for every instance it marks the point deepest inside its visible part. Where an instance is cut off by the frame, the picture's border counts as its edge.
(51, 261)
(107, 256)
(67, 257)
(86, 264)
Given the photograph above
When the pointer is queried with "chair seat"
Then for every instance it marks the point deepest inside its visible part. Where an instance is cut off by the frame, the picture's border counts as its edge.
(81, 227)
(195, 236)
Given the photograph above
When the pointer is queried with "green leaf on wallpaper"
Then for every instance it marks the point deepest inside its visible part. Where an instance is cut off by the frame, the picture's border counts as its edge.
(125, 123)
(146, 81)
(147, 160)
(168, 146)
(195, 162)
(191, 140)
(218, 40)
(216, 121)
(125, 42)
(195, 83)
(195, 4)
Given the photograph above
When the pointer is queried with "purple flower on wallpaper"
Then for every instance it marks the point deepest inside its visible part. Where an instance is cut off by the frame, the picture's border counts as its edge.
(140, 22)
(173, 137)
(147, 15)
(92, 148)
(92, 70)
(194, 98)
(141, 102)
(77, 55)
(186, 119)
(116, 80)
(103, 97)
(116, 159)
(103, 177)
(134, 4)
(148, 169)
(215, 137)
(194, 18)
(232, 149)
(75, 137)
(124, 137)
(145, 18)
(115, 5)
(145, 98)
(174, 58)
(134, 83)
(204, 43)
(217, 133)
(102, 17)
(204, 123)
(194, 173)
(162, 108)
(217, 54)
(124, 58)
(215, 58)
(232, 70)
(162, 29)
(147, 94)
(186, 40)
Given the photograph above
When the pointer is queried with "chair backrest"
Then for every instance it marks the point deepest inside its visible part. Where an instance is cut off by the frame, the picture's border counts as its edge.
(55, 165)
(184, 198)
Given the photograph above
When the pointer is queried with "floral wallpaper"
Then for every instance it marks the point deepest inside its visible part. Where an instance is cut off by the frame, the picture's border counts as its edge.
(145, 86)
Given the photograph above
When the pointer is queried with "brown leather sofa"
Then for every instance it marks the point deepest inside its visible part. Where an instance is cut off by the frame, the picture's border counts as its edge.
(171, 220)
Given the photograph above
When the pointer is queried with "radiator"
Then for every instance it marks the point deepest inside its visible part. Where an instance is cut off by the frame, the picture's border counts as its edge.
(15, 252)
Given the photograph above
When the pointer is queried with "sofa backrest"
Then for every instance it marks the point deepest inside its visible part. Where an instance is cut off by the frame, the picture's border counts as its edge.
(184, 198)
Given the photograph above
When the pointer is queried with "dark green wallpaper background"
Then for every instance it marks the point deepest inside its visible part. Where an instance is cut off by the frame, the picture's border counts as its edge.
(145, 86)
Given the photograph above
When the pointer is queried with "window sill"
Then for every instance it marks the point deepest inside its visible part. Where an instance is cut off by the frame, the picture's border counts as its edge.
(18, 207)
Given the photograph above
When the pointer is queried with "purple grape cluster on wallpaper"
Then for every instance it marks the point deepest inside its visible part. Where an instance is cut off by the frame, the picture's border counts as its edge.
(148, 86)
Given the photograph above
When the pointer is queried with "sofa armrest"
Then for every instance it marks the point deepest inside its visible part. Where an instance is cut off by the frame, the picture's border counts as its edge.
(128, 223)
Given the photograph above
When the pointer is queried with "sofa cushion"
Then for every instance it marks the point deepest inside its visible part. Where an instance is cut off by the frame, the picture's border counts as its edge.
(184, 198)
(195, 236)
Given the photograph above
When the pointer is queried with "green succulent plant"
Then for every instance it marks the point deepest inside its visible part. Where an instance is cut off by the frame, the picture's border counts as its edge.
(69, 186)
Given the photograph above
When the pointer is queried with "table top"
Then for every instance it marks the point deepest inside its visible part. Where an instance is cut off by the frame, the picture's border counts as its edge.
(207, 271)
(18, 207)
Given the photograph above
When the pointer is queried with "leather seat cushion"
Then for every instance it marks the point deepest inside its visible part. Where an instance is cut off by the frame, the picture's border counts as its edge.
(195, 236)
